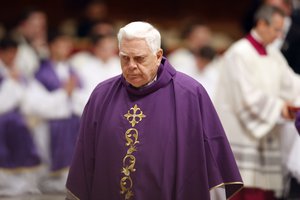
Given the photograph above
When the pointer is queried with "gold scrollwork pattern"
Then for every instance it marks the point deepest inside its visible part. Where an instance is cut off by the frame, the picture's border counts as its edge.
(134, 116)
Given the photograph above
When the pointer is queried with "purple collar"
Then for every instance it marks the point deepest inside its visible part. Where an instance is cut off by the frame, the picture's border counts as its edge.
(164, 75)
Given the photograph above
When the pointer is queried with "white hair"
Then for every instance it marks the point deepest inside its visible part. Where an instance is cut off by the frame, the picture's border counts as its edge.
(141, 30)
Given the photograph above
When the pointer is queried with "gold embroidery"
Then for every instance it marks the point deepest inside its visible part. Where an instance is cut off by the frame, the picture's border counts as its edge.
(70, 195)
(126, 185)
(129, 161)
(229, 183)
(129, 134)
(134, 116)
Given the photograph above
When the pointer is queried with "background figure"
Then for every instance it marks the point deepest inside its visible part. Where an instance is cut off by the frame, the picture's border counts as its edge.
(251, 105)
(296, 12)
(94, 12)
(292, 161)
(19, 159)
(195, 35)
(289, 41)
(57, 124)
(95, 66)
(208, 64)
(31, 32)
(102, 27)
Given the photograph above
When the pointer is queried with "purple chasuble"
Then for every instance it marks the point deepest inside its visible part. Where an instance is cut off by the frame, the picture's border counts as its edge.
(63, 132)
(163, 142)
(297, 122)
(260, 48)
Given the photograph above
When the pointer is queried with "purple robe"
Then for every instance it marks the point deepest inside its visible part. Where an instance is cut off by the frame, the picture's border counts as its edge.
(163, 142)
(297, 121)
(63, 132)
(17, 149)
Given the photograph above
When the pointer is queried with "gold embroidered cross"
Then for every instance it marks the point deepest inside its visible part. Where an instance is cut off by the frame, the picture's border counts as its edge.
(134, 115)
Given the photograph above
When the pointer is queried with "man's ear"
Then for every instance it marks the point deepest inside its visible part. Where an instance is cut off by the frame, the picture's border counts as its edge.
(159, 56)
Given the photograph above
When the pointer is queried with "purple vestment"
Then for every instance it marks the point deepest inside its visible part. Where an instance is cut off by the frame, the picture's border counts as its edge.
(162, 142)
(63, 132)
(17, 149)
(297, 121)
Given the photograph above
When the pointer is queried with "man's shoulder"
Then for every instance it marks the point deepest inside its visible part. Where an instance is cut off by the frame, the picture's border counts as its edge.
(239, 47)
(188, 84)
(105, 86)
(239, 44)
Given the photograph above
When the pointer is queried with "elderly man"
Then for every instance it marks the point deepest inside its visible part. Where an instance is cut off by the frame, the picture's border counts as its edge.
(255, 91)
(150, 133)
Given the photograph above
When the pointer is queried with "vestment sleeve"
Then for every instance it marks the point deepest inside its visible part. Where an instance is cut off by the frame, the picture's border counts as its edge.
(80, 176)
(48, 105)
(11, 93)
(222, 170)
(257, 110)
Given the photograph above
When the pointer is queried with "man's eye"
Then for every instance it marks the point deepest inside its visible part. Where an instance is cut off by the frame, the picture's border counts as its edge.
(125, 58)
(140, 59)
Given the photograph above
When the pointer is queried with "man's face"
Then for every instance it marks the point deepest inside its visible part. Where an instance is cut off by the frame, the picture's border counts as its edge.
(139, 64)
(200, 36)
(61, 47)
(35, 25)
(8, 56)
(106, 48)
(273, 30)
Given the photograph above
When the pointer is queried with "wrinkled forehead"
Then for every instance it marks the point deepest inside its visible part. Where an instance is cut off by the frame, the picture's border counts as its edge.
(136, 46)
(132, 40)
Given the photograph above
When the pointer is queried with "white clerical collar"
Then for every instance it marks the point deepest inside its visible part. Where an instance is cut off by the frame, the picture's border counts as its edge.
(155, 78)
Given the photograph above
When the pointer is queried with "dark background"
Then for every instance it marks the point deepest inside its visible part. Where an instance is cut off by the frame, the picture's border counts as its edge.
(221, 15)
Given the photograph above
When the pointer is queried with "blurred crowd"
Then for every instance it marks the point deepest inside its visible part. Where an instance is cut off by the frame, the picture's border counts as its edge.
(47, 76)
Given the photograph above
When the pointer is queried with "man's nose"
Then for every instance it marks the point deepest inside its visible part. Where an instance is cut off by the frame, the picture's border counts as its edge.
(132, 64)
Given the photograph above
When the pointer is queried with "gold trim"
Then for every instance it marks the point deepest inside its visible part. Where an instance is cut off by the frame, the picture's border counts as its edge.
(134, 115)
(59, 172)
(229, 183)
(70, 195)
(21, 169)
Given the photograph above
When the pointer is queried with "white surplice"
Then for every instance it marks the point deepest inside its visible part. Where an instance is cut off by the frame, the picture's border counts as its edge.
(251, 91)
(91, 71)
